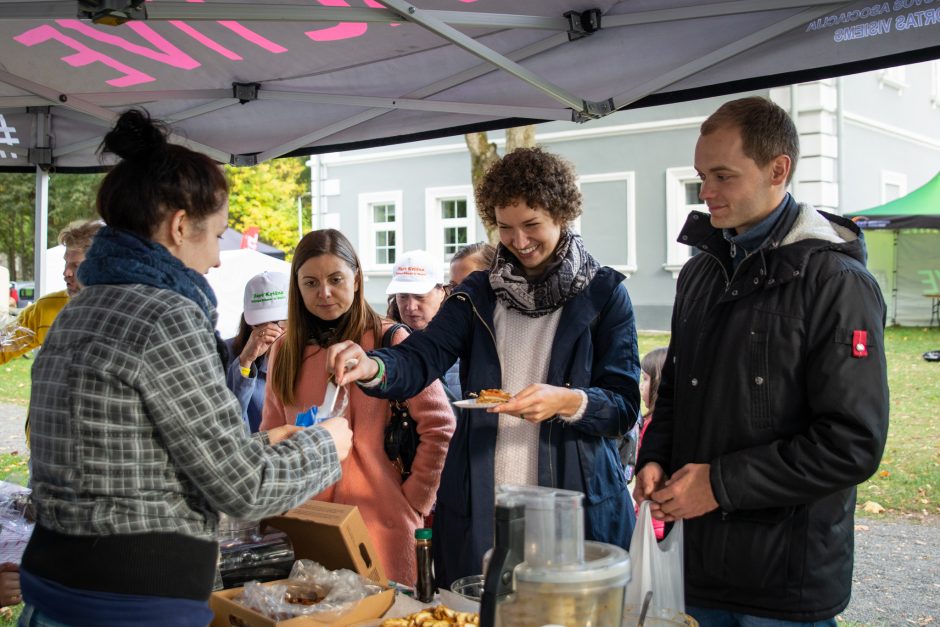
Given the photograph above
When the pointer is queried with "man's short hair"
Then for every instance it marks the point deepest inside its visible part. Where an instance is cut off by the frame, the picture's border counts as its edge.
(78, 234)
(766, 129)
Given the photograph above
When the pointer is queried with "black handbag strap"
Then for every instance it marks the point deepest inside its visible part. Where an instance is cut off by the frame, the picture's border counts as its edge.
(387, 342)
(390, 333)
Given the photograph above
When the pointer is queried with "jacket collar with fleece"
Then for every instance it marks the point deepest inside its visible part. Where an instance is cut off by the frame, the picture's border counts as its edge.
(802, 232)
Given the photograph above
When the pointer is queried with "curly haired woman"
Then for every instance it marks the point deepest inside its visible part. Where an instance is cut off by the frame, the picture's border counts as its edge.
(547, 323)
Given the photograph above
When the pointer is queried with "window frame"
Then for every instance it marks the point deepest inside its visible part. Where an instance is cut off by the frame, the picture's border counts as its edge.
(898, 179)
(677, 211)
(435, 222)
(628, 177)
(368, 229)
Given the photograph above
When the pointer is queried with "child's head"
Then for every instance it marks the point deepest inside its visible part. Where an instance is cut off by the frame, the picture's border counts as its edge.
(651, 370)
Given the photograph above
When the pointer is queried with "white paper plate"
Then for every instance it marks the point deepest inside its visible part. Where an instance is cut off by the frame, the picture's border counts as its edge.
(471, 403)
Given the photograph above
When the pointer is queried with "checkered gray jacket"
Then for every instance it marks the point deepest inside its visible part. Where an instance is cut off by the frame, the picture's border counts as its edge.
(135, 431)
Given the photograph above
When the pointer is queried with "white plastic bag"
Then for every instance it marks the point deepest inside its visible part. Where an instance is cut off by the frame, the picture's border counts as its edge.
(657, 566)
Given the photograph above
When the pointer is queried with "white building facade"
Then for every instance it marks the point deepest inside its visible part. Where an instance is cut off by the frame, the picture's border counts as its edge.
(865, 139)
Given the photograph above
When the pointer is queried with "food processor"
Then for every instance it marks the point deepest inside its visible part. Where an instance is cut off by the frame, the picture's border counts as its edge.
(542, 572)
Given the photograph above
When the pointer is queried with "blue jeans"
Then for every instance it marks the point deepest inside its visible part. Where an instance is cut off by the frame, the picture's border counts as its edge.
(31, 617)
(49, 604)
(720, 618)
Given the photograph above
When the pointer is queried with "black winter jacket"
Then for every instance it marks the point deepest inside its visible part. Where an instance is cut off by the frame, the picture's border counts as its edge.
(765, 380)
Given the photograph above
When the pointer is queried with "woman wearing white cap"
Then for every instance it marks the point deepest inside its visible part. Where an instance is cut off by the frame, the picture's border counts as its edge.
(415, 293)
(263, 321)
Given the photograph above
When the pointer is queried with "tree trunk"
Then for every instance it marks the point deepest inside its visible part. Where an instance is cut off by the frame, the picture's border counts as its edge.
(483, 154)
(520, 137)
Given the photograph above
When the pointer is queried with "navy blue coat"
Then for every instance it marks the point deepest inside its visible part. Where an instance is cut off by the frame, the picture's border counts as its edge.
(595, 350)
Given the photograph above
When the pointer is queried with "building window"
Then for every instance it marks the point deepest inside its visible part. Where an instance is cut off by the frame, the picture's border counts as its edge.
(893, 185)
(383, 229)
(380, 230)
(894, 77)
(454, 217)
(451, 219)
(608, 222)
(682, 190)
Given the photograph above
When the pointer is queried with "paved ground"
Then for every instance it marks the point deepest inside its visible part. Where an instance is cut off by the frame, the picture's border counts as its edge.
(897, 563)
(12, 437)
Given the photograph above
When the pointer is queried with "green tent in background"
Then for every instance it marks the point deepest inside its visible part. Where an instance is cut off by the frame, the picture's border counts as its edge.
(903, 238)
(918, 210)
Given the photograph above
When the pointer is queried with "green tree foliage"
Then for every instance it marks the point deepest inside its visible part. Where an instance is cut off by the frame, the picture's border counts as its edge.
(16, 224)
(71, 197)
(265, 196)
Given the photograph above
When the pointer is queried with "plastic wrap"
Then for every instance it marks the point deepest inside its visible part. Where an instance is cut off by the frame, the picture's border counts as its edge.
(311, 590)
(13, 337)
(17, 518)
(245, 554)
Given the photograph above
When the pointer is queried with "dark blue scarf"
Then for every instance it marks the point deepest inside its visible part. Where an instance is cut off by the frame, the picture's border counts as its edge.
(120, 258)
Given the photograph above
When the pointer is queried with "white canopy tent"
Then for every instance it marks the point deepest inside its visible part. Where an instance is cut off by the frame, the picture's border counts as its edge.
(228, 280)
(249, 80)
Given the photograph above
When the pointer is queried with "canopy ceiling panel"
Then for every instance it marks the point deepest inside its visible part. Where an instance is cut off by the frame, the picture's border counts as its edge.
(248, 80)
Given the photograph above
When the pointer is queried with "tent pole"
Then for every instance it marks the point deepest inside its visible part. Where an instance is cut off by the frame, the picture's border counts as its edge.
(894, 280)
(315, 186)
(41, 158)
(41, 221)
(422, 18)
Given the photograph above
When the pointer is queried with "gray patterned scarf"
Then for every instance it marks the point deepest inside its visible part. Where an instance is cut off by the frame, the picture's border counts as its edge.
(571, 269)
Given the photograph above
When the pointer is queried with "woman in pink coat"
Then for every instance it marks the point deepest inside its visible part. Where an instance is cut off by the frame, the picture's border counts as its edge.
(326, 304)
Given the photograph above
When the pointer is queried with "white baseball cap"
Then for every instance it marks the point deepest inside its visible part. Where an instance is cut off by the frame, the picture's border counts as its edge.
(266, 298)
(416, 272)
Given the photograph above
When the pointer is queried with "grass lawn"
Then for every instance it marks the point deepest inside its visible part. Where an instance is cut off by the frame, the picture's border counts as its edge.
(908, 482)
(14, 380)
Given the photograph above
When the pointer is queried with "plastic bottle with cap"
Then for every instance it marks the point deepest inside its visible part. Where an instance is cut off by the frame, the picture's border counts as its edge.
(424, 586)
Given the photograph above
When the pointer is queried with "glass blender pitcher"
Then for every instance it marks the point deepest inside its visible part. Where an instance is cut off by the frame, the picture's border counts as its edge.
(556, 577)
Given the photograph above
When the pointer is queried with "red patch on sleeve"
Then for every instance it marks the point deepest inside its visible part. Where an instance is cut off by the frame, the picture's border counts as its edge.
(859, 343)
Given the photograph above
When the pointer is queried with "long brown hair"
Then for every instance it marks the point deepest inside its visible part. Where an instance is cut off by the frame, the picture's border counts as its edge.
(652, 365)
(302, 326)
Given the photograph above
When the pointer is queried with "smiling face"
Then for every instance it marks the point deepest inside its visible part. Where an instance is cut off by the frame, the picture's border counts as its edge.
(738, 192)
(327, 286)
(198, 245)
(529, 233)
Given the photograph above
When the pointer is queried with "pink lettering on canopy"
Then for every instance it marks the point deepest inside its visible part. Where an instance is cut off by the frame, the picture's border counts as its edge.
(211, 44)
(167, 53)
(84, 55)
(245, 33)
(343, 30)
(254, 37)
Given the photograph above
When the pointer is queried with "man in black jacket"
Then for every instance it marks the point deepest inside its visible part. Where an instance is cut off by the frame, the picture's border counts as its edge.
(773, 403)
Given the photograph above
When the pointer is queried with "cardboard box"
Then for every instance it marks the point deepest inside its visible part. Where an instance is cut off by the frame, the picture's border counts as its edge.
(333, 535)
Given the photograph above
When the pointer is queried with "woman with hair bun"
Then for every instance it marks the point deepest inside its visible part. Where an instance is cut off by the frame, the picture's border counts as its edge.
(137, 443)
